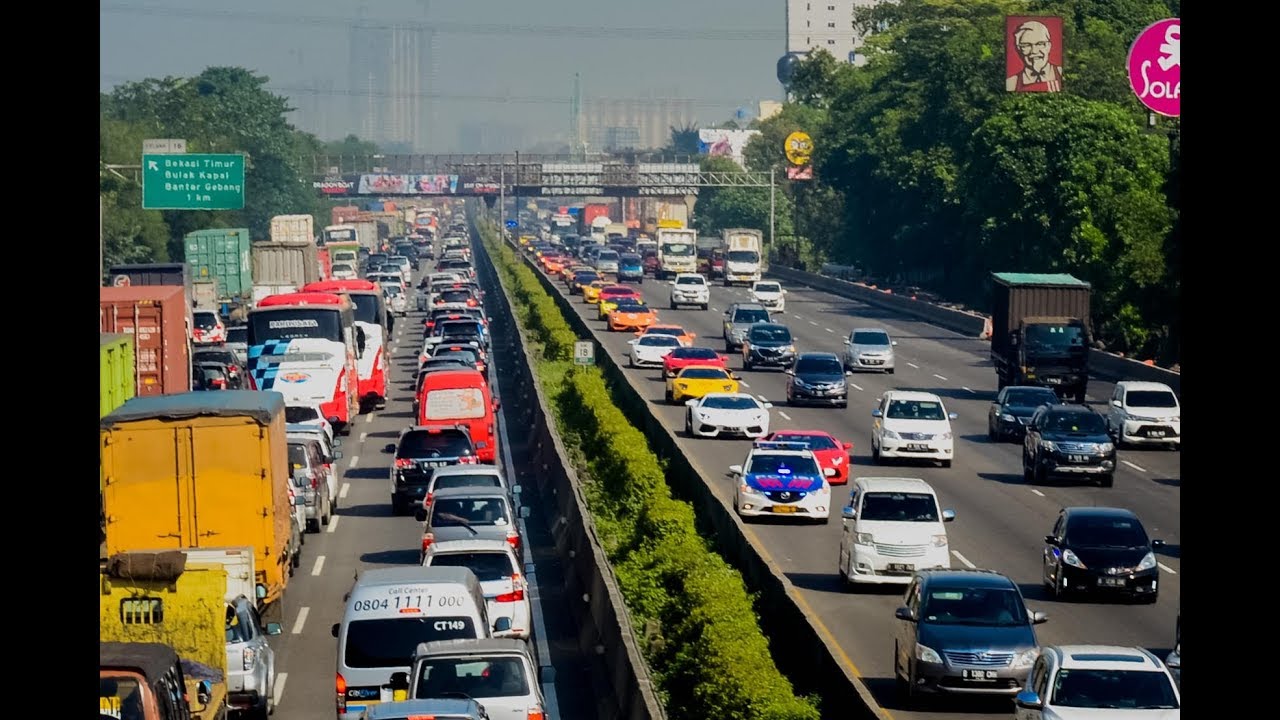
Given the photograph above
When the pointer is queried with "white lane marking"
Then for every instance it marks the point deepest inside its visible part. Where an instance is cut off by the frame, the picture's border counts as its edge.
(799, 316)
(744, 385)
(813, 323)
(784, 415)
(342, 493)
(315, 571)
(1037, 492)
(333, 523)
(914, 365)
(855, 387)
(965, 389)
(763, 398)
(301, 621)
(715, 309)
(939, 376)
(355, 460)
(279, 687)
(1139, 468)
(1167, 569)
(364, 436)
(829, 330)
(368, 419)
(963, 559)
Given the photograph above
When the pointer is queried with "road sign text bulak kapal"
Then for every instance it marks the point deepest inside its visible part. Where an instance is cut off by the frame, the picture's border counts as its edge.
(209, 175)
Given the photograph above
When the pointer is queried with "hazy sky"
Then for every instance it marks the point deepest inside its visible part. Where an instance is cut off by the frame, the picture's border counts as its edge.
(722, 55)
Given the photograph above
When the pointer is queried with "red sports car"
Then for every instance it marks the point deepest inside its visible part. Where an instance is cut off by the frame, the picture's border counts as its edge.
(682, 357)
(833, 455)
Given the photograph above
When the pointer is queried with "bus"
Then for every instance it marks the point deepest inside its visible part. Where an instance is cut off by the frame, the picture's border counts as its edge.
(304, 346)
(370, 316)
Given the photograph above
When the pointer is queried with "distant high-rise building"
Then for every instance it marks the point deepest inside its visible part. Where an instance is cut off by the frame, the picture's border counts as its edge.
(633, 124)
(825, 24)
(488, 137)
(389, 69)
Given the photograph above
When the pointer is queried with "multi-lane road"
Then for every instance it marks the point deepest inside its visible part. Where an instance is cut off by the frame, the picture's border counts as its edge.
(363, 534)
(1000, 521)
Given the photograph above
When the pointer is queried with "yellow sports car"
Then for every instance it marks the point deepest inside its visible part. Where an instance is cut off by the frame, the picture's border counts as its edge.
(526, 239)
(695, 381)
(591, 293)
(609, 299)
(631, 315)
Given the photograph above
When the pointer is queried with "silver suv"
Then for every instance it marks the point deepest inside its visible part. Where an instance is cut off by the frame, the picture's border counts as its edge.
(738, 319)
(869, 349)
(251, 663)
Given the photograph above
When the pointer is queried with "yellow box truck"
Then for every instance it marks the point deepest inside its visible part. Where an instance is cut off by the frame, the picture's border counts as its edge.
(199, 470)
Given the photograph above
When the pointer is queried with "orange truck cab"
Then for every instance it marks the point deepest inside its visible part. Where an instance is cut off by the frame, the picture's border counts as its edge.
(461, 396)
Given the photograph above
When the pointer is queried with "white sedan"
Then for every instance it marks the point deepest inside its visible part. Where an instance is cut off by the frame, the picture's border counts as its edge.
(769, 294)
(649, 350)
(717, 414)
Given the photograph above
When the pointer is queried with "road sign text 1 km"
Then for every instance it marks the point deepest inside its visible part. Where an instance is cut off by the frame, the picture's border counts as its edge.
(193, 182)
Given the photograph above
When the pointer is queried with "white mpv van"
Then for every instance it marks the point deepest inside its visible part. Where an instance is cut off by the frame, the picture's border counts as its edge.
(892, 528)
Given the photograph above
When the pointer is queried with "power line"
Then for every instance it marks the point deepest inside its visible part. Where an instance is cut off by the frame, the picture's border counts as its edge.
(614, 34)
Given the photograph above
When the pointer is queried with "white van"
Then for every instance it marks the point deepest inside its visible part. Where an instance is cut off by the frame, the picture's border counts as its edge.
(389, 612)
(892, 528)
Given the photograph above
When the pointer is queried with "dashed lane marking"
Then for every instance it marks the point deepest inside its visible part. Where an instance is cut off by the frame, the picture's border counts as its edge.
(333, 523)
(1167, 569)
(855, 387)
(963, 559)
(342, 493)
(319, 566)
(1139, 468)
(301, 621)
(784, 415)
(1037, 492)
(914, 365)
(279, 687)
(939, 377)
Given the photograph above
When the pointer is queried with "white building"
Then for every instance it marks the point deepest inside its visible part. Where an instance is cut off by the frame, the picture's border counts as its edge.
(826, 24)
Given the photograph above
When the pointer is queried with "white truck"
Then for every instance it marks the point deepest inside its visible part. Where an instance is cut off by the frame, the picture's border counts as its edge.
(744, 262)
(677, 252)
(293, 228)
(598, 227)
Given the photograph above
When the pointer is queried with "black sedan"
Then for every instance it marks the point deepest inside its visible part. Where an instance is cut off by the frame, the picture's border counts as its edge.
(1101, 550)
(817, 379)
(1013, 407)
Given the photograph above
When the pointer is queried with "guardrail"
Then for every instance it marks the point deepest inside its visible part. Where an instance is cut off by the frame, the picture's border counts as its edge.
(605, 631)
(1101, 364)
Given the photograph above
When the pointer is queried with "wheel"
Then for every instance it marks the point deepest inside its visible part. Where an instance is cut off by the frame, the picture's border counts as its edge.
(705, 306)
(844, 574)
(313, 526)
(1107, 480)
(1150, 599)
(1059, 587)
(398, 506)
(946, 463)
(631, 362)
(296, 560)
(844, 405)
(746, 363)
(889, 371)
(1001, 383)
(670, 397)
(1039, 475)
(875, 453)
(1026, 469)
(673, 306)
(328, 512)
(260, 712)
(991, 432)
(728, 347)
(688, 424)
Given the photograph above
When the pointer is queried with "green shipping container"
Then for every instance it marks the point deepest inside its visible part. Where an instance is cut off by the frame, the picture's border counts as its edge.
(222, 254)
(117, 383)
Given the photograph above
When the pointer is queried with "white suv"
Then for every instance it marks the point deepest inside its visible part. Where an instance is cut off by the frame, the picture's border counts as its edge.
(690, 289)
(912, 425)
(770, 294)
(1098, 681)
(892, 528)
(1144, 413)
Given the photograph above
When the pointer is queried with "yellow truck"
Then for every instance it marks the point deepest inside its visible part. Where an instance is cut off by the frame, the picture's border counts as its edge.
(150, 602)
(200, 470)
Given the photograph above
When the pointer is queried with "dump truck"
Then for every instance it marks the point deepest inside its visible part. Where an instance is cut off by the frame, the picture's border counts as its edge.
(1041, 331)
(293, 228)
(199, 470)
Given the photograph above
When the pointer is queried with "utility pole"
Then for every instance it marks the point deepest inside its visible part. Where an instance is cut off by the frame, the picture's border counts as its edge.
(515, 190)
(102, 244)
(772, 186)
(502, 197)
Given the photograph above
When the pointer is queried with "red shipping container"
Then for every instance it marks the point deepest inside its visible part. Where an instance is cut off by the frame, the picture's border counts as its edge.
(326, 265)
(344, 213)
(157, 317)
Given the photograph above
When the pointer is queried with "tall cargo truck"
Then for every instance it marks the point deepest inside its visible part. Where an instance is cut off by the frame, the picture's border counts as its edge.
(744, 255)
(367, 234)
(222, 255)
(677, 251)
(149, 274)
(200, 470)
(293, 228)
(159, 319)
(1041, 331)
(117, 382)
(285, 263)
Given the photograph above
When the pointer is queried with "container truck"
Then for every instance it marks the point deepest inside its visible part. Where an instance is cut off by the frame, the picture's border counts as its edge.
(1040, 332)
(293, 228)
(367, 234)
(588, 215)
(333, 234)
(117, 382)
(159, 320)
(149, 274)
(285, 263)
(201, 470)
(677, 252)
(343, 214)
(744, 258)
(221, 255)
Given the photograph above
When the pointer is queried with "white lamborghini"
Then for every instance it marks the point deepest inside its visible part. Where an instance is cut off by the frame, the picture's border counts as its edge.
(731, 414)
(648, 350)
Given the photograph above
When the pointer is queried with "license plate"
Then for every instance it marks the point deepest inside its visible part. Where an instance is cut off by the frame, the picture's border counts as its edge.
(1054, 381)
(918, 447)
(1111, 582)
(1078, 458)
(783, 509)
(433, 463)
(978, 674)
(900, 567)
(1156, 433)
(873, 362)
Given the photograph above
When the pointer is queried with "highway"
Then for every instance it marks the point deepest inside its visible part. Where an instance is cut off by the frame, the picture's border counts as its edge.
(363, 534)
(1001, 521)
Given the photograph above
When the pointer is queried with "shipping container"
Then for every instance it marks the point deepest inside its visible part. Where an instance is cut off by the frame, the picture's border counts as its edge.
(292, 263)
(293, 228)
(159, 319)
(221, 254)
(1018, 296)
(117, 381)
(324, 262)
(200, 470)
(149, 274)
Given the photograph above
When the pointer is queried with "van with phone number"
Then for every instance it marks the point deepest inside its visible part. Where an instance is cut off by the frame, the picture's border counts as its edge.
(389, 612)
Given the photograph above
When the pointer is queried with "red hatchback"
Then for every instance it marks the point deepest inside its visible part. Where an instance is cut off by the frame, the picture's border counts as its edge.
(680, 358)
(833, 456)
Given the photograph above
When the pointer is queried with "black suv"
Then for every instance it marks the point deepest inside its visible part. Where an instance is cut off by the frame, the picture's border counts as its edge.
(420, 450)
(1068, 440)
(818, 379)
(768, 344)
(964, 632)
(1099, 549)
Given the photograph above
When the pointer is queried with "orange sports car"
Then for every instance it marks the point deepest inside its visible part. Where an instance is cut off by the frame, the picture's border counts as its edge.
(631, 315)
(684, 336)
(554, 264)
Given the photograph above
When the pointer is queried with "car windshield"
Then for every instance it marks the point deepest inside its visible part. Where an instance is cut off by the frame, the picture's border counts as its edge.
(775, 333)
(915, 410)
(391, 290)
(630, 305)
(204, 320)
(459, 327)
(1054, 337)
(751, 316)
(765, 464)
(238, 334)
(744, 256)
(462, 355)
(818, 366)
(730, 403)
(815, 442)
(677, 249)
(899, 507)
(1076, 422)
(672, 331)
(1116, 532)
(454, 296)
(487, 566)
(1113, 689)
(690, 280)
(391, 642)
(444, 482)
(695, 353)
(630, 259)
(221, 356)
(584, 278)
(1151, 399)
(423, 444)
(870, 337)
(607, 256)
(489, 677)
(1030, 397)
(121, 697)
(659, 341)
(459, 512)
(768, 287)
(298, 455)
(973, 606)
(704, 374)
(294, 414)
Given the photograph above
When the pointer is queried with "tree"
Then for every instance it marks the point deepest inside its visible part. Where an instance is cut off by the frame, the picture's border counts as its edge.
(745, 207)
(684, 140)
(350, 145)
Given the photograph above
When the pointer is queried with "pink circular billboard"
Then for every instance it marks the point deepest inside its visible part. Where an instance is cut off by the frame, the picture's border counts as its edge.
(1155, 71)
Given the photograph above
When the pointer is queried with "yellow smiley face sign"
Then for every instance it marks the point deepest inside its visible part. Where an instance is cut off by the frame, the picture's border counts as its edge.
(799, 148)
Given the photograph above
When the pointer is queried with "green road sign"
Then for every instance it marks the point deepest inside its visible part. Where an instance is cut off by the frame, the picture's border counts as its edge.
(193, 182)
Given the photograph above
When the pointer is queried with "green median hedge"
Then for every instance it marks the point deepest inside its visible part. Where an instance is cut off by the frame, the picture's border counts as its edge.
(709, 657)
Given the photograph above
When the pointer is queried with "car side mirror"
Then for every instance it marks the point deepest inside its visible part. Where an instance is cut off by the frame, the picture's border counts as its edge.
(952, 416)
(334, 629)
(1157, 544)
(420, 514)
(671, 282)
(735, 470)
(204, 692)
(502, 624)
(847, 513)
(273, 629)
(524, 512)
(517, 489)
(337, 454)
(905, 613)
(876, 413)
(1117, 403)
(691, 402)
(1028, 700)
(948, 515)
(789, 371)
(848, 446)
(1050, 540)
(389, 448)
(633, 342)
(1039, 618)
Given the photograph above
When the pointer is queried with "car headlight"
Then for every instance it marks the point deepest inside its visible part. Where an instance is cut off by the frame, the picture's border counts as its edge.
(1148, 562)
(927, 654)
(1105, 447)
(791, 348)
(1007, 417)
(1048, 445)
(1071, 559)
(728, 388)
(1140, 418)
(798, 382)
(945, 436)
(890, 434)
(1026, 658)
(940, 540)
(865, 539)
